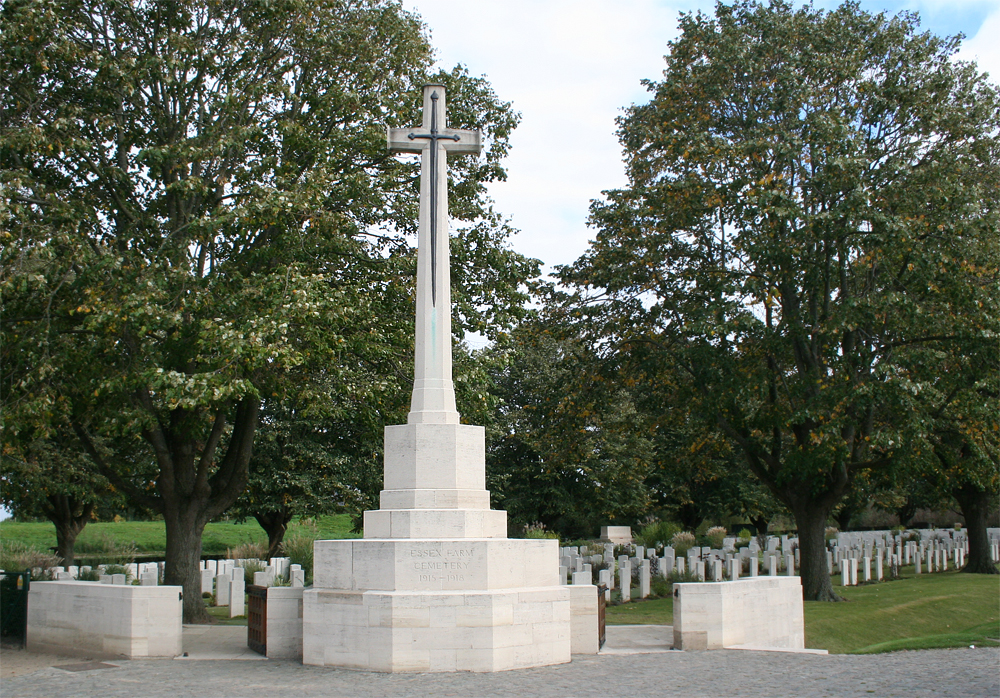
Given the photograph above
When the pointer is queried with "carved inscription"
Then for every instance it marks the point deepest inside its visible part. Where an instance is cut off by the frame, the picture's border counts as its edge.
(436, 565)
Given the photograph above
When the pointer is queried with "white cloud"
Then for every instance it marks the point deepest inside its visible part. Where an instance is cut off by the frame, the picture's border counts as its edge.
(984, 47)
(569, 67)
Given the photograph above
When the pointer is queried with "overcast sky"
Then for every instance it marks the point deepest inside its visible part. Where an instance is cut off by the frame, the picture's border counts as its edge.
(570, 66)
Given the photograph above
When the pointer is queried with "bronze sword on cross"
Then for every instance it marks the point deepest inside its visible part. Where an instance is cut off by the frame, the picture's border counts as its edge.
(434, 139)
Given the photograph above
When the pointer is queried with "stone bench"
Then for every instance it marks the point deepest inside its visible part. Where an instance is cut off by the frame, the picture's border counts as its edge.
(104, 620)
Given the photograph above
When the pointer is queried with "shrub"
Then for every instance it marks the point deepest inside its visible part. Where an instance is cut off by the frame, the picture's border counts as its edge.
(715, 536)
(657, 533)
(299, 548)
(109, 550)
(16, 556)
(250, 567)
(251, 550)
(682, 542)
(830, 533)
(91, 575)
(537, 530)
(119, 569)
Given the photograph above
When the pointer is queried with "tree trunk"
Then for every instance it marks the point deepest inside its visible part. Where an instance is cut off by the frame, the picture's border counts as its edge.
(843, 518)
(906, 512)
(690, 517)
(69, 517)
(275, 524)
(193, 486)
(183, 558)
(976, 505)
(811, 517)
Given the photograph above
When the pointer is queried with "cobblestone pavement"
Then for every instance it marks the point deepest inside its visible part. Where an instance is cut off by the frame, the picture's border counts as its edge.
(938, 673)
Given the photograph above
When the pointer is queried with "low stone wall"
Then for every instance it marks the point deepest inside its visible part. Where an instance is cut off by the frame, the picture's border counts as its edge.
(104, 620)
(284, 623)
(752, 613)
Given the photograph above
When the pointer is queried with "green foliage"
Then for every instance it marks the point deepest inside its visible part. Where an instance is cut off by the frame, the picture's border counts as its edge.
(115, 568)
(564, 448)
(657, 533)
(299, 548)
(798, 238)
(537, 531)
(91, 575)
(715, 536)
(250, 568)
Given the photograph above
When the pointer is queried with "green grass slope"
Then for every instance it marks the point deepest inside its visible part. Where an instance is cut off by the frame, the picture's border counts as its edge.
(925, 611)
(150, 537)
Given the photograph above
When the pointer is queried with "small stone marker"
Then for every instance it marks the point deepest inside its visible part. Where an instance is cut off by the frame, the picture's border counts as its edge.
(644, 580)
(105, 579)
(753, 566)
(772, 565)
(148, 578)
(582, 578)
(119, 579)
(867, 569)
(789, 565)
(878, 567)
(716, 570)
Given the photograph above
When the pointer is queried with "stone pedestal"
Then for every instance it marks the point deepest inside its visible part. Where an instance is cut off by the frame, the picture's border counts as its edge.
(435, 584)
(436, 605)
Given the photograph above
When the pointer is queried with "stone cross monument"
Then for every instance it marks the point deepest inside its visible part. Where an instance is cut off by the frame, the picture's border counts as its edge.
(435, 584)
(433, 400)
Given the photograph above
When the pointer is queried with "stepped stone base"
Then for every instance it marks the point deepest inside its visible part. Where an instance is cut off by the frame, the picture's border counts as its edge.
(436, 605)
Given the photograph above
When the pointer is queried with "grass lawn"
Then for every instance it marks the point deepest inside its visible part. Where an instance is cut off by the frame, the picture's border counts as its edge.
(947, 609)
(150, 537)
(220, 616)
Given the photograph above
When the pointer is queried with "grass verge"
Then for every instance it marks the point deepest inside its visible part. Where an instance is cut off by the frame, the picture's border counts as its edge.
(925, 611)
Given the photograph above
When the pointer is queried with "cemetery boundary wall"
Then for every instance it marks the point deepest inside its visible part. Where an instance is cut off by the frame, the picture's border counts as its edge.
(104, 620)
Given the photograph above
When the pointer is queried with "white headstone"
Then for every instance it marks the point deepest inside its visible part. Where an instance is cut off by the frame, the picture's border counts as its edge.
(625, 577)
(207, 577)
(223, 586)
(237, 597)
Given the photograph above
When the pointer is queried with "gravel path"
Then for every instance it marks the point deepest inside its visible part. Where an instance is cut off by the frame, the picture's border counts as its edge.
(725, 673)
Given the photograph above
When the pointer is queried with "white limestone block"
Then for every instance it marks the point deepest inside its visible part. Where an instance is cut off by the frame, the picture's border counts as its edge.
(765, 612)
(100, 620)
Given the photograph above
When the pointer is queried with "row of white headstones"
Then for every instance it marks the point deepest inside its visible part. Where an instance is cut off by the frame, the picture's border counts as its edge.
(224, 579)
(871, 552)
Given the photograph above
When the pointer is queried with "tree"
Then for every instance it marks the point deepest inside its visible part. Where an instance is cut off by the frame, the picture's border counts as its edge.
(564, 450)
(46, 478)
(803, 185)
(203, 215)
